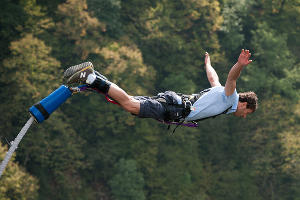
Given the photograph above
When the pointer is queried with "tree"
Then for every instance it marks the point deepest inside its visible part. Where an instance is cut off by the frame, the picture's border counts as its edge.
(109, 12)
(128, 183)
(269, 74)
(29, 74)
(265, 149)
(125, 66)
(79, 34)
(15, 182)
(232, 31)
(15, 26)
(174, 35)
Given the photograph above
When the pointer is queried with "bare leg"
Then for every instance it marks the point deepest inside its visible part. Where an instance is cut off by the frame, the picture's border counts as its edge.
(84, 73)
(126, 101)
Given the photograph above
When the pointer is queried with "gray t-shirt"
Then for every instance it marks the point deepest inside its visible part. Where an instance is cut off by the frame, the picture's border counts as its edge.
(213, 103)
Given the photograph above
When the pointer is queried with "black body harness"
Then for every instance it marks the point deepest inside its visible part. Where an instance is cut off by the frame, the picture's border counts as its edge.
(176, 113)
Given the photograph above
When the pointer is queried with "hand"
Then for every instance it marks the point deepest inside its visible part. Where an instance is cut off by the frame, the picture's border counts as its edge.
(207, 60)
(244, 58)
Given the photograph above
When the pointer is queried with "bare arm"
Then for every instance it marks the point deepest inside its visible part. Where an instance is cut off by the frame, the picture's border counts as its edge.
(212, 75)
(235, 72)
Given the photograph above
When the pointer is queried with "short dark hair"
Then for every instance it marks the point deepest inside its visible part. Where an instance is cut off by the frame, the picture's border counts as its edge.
(250, 98)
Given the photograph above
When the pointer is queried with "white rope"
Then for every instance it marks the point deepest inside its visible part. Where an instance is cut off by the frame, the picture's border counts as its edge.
(15, 144)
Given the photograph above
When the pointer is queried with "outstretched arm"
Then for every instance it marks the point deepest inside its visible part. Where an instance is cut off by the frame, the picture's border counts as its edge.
(235, 71)
(212, 75)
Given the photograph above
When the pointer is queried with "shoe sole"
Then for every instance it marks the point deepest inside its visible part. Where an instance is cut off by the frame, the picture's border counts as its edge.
(76, 68)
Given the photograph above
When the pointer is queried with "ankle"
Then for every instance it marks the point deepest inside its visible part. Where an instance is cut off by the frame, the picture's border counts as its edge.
(101, 84)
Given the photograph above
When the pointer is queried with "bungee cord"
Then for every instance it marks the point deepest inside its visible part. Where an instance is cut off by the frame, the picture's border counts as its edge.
(14, 144)
(42, 110)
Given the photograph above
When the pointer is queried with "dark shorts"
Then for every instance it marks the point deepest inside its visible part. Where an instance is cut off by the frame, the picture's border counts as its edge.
(152, 108)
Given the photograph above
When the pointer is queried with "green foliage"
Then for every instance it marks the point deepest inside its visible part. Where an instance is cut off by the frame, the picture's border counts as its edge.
(10, 24)
(28, 75)
(291, 144)
(54, 153)
(181, 169)
(148, 47)
(127, 183)
(78, 30)
(271, 50)
(266, 150)
(125, 66)
(234, 13)
(179, 83)
(15, 182)
(109, 12)
(176, 35)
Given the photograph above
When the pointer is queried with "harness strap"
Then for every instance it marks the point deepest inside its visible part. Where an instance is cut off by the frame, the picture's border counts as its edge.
(224, 112)
(186, 106)
(42, 110)
(106, 96)
(194, 97)
(189, 100)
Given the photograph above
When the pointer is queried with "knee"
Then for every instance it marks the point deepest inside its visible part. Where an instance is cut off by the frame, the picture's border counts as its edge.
(132, 106)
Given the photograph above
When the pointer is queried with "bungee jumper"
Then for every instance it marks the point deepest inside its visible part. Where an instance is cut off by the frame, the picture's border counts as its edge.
(167, 107)
(171, 107)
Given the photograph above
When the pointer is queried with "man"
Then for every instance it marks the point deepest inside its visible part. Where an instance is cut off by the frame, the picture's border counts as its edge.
(170, 106)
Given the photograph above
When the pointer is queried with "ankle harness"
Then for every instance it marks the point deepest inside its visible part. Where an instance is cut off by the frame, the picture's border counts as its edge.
(102, 84)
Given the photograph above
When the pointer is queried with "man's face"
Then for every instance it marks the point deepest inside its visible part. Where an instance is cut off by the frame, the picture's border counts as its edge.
(242, 110)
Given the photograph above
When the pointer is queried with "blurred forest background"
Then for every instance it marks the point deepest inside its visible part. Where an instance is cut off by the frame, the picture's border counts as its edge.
(89, 149)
